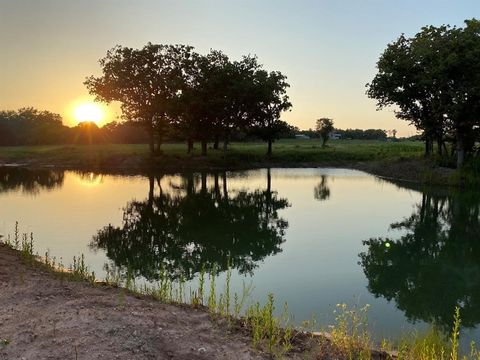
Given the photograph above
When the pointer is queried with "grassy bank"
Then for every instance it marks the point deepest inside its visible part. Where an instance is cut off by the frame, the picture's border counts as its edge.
(273, 337)
(285, 152)
(401, 160)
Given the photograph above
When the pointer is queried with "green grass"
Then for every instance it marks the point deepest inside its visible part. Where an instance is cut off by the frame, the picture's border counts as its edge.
(285, 152)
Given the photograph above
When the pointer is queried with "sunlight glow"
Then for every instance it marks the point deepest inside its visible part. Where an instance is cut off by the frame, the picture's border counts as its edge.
(89, 112)
(90, 179)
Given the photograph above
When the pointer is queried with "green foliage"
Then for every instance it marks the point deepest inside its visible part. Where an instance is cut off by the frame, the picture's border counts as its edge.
(324, 127)
(433, 79)
(275, 333)
(172, 89)
(350, 333)
(29, 126)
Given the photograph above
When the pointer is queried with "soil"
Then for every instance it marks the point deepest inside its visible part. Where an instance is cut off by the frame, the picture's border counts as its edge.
(43, 317)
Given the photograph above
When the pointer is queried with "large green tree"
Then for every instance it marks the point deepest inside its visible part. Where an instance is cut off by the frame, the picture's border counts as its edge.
(271, 100)
(145, 81)
(432, 79)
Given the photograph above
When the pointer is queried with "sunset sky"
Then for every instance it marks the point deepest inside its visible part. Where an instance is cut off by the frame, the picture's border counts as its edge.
(327, 48)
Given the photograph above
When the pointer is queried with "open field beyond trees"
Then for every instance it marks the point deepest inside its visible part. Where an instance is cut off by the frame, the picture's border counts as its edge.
(285, 153)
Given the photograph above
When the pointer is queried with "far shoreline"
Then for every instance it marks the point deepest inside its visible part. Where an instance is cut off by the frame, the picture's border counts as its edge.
(398, 161)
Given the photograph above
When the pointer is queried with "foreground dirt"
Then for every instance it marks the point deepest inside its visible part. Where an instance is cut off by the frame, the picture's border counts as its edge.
(42, 317)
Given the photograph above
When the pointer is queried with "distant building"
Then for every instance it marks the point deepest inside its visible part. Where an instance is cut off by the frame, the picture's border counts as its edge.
(334, 136)
(302, 136)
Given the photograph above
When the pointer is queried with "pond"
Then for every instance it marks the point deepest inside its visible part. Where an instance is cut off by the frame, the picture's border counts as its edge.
(312, 237)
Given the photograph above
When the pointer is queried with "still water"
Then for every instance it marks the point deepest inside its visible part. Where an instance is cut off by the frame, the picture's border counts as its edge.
(312, 237)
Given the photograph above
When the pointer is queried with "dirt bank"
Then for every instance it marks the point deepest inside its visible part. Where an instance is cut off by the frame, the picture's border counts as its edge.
(42, 317)
(45, 316)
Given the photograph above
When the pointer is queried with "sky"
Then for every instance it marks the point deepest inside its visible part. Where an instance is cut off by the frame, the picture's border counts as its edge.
(328, 49)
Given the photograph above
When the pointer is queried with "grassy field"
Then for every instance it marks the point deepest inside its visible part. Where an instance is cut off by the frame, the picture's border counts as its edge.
(285, 153)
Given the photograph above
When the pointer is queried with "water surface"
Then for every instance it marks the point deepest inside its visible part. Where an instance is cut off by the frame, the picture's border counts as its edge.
(313, 237)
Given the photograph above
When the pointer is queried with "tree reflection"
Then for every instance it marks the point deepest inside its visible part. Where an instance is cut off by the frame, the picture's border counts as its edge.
(193, 225)
(435, 265)
(322, 191)
(29, 181)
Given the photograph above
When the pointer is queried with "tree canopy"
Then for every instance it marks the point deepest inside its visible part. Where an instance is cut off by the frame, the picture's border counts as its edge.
(324, 128)
(433, 80)
(198, 97)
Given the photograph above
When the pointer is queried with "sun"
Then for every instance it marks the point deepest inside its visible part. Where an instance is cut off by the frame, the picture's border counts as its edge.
(89, 111)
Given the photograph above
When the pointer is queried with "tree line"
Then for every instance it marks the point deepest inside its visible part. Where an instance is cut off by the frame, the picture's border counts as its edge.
(433, 81)
(205, 98)
(29, 126)
(350, 134)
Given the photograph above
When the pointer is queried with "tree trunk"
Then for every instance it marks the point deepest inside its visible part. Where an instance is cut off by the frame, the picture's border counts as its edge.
(159, 142)
(204, 147)
(151, 191)
(427, 145)
(269, 193)
(190, 184)
(190, 146)
(204, 182)
(445, 150)
(224, 182)
(269, 151)
(216, 185)
(460, 150)
(225, 142)
(216, 142)
(440, 147)
(151, 142)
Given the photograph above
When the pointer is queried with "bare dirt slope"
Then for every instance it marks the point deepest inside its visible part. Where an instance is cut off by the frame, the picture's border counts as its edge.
(42, 317)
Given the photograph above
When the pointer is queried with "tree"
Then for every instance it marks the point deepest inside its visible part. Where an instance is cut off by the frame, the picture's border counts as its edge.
(29, 126)
(324, 128)
(145, 82)
(205, 100)
(270, 97)
(403, 80)
(433, 80)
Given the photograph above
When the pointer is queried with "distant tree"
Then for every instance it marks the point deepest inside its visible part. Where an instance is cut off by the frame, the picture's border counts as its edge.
(145, 81)
(359, 134)
(87, 133)
(289, 131)
(29, 126)
(324, 128)
(127, 132)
